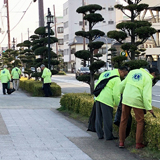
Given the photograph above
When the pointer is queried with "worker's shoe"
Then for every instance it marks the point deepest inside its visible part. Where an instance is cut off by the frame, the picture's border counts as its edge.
(121, 145)
(139, 145)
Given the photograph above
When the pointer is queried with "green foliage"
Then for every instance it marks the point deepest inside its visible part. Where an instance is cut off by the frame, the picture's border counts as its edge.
(61, 73)
(96, 65)
(118, 60)
(54, 72)
(78, 102)
(136, 64)
(139, 31)
(118, 35)
(145, 31)
(94, 17)
(128, 46)
(98, 55)
(35, 88)
(92, 34)
(95, 45)
(40, 50)
(84, 78)
(42, 31)
(92, 8)
(83, 54)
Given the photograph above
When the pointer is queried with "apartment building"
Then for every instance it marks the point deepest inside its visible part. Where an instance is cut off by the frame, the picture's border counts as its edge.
(73, 22)
(59, 33)
(152, 15)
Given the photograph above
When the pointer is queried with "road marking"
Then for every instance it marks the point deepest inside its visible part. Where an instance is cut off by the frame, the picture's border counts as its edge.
(156, 95)
(156, 101)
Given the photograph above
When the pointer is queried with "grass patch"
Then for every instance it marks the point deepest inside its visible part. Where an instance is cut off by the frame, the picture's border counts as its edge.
(73, 115)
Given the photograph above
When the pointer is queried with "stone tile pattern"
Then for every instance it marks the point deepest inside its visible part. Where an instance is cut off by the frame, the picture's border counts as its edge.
(39, 134)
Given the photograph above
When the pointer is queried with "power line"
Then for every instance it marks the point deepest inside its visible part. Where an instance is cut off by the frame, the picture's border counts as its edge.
(21, 17)
(17, 23)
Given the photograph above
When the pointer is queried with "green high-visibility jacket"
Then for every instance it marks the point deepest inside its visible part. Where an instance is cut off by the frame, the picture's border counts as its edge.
(137, 89)
(16, 72)
(110, 95)
(5, 75)
(46, 75)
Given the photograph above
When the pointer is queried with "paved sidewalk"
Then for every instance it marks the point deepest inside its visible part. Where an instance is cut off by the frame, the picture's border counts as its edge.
(32, 129)
(34, 132)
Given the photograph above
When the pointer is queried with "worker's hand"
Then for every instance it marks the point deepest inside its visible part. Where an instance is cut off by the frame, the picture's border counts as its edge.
(151, 111)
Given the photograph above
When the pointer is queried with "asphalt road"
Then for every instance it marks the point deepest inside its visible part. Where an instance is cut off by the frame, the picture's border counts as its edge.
(69, 84)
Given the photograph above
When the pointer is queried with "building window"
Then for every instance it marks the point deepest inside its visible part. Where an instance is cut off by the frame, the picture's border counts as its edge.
(60, 29)
(60, 42)
(110, 22)
(61, 52)
(66, 52)
(73, 50)
(65, 11)
(102, 51)
(81, 23)
(66, 37)
(110, 8)
(65, 24)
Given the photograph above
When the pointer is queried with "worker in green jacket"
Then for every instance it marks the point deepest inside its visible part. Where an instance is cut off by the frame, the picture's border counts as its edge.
(5, 77)
(46, 75)
(16, 75)
(137, 94)
(108, 98)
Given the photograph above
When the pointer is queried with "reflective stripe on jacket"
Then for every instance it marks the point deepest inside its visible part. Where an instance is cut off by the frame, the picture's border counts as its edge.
(110, 95)
(5, 75)
(16, 72)
(46, 75)
(137, 89)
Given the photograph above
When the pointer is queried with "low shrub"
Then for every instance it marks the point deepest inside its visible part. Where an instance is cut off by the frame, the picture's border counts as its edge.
(35, 87)
(78, 102)
(61, 73)
(82, 103)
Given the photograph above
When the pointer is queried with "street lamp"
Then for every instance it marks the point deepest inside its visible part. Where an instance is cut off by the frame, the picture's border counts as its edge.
(13, 42)
(49, 21)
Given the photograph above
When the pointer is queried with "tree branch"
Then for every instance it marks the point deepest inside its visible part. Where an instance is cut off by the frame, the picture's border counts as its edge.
(125, 13)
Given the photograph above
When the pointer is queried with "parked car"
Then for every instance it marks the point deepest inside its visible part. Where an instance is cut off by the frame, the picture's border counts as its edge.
(82, 71)
(102, 69)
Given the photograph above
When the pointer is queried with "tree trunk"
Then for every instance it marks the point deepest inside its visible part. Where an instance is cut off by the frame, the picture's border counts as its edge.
(91, 61)
(91, 82)
(132, 37)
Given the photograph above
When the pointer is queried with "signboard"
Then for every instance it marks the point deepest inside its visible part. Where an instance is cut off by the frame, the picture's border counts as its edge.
(124, 53)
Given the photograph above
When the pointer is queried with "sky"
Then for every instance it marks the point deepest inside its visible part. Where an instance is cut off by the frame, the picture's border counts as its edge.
(30, 21)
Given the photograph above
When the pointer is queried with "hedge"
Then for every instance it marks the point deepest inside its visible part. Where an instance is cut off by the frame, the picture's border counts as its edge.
(61, 73)
(82, 103)
(35, 87)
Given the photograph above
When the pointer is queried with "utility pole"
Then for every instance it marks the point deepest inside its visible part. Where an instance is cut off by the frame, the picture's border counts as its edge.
(41, 12)
(55, 25)
(8, 24)
(13, 43)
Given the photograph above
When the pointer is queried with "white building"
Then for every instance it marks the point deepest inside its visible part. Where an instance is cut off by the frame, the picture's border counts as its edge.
(73, 22)
(152, 14)
(59, 33)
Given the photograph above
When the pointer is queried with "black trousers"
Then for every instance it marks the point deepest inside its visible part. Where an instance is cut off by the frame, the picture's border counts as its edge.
(4, 86)
(104, 116)
(47, 89)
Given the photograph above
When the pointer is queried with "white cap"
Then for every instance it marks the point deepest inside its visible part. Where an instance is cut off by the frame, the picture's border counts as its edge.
(42, 65)
(5, 66)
